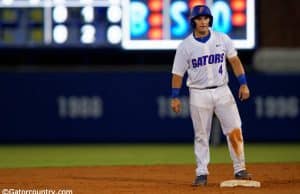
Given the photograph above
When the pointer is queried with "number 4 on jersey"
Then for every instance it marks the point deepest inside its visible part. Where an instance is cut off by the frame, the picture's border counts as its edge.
(220, 69)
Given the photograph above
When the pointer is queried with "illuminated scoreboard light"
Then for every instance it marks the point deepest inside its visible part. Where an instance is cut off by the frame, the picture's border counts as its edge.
(70, 23)
(156, 24)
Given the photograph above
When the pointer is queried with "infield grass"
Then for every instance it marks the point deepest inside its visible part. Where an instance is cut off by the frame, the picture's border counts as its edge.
(41, 155)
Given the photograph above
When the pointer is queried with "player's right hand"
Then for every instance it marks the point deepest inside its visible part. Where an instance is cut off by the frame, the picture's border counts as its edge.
(176, 105)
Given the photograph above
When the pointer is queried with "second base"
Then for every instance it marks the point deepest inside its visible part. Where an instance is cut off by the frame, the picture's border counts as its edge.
(243, 183)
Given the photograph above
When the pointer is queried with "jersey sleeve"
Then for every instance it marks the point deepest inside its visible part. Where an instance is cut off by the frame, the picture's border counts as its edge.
(230, 49)
(180, 64)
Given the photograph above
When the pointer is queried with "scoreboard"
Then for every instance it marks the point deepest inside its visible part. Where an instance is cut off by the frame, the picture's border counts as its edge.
(72, 23)
(129, 24)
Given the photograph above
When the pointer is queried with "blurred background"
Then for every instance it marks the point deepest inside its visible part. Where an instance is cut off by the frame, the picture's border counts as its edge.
(100, 70)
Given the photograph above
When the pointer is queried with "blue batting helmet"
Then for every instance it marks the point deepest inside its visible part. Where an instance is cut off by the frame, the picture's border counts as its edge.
(200, 10)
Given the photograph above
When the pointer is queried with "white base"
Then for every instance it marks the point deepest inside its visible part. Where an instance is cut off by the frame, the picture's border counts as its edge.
(243, 183)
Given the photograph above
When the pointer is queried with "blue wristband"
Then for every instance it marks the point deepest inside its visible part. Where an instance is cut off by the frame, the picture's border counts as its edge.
(242, 79)
(175, 92)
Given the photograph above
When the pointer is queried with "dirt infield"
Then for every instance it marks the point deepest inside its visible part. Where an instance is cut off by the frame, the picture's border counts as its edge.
(159, 179)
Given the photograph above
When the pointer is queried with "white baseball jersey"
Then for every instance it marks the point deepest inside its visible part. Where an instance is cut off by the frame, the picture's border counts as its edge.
(205, 63)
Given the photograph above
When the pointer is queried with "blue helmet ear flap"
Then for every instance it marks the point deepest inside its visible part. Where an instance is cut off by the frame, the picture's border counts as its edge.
(211, 21)
(193, 24)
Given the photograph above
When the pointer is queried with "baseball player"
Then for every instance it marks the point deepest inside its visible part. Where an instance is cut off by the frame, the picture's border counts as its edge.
(203, 56)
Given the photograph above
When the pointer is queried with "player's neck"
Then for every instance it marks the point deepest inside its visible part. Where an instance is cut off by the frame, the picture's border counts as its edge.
(202, 39)
(201, 34)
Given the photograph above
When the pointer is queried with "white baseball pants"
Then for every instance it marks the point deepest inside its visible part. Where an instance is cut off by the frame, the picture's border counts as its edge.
(203, 103)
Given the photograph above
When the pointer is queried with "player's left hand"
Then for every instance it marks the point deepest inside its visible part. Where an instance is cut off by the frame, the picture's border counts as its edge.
(244, 92)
